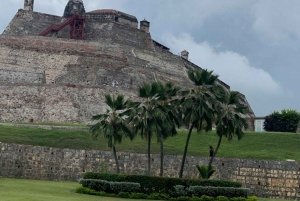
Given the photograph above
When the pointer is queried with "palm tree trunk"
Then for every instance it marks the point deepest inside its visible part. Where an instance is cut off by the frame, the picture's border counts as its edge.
(161, 158)
(116, 159)
(185, 150)
(215, 153)
(149, 159)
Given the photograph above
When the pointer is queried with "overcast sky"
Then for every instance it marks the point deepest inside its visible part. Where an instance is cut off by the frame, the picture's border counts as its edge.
(253, 45)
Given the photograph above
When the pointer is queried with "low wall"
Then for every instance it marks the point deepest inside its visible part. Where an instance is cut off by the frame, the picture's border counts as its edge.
(273, 179)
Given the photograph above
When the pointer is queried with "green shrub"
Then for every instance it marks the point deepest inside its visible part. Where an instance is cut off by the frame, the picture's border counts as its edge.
(158, 184)
(195, 198)
(238, 199)
(179, 190)
(284, 121)
(218, 191)
(181, 198)
(206, 198)
(158, 196)
(222, 198)
(110, 187)
(204, 170)
(252, 198)
(138, 196)
(124, 195)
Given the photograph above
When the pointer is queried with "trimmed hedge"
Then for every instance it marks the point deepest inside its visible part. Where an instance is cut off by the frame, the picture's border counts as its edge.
(209, 191)
(157, 196)
(151, 184)
(218, 191)
(111, 187)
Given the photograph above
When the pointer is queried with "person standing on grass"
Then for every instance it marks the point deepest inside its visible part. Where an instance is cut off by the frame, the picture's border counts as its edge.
(211, 151)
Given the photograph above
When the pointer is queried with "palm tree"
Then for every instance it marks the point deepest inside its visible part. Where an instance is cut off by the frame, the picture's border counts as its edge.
(151, 117)
(166, 97)
(198, 104)
(112, 125)
(230, 121)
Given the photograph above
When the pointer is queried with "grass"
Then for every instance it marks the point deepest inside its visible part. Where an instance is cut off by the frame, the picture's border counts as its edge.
(50, 124)
(269, 146)
(36, 190)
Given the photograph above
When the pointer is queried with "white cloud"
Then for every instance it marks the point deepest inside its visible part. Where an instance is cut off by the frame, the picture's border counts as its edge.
(233, 68)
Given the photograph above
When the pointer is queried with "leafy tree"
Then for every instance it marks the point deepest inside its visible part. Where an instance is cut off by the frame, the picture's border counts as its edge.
(284, 121)
(198, 104)
(291, 120)
(273, 122)
(112, 125)
(230, 121)
(151, 118)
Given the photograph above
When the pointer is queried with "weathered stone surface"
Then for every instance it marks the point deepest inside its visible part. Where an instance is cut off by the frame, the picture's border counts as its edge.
(47, 78)
(273, 179)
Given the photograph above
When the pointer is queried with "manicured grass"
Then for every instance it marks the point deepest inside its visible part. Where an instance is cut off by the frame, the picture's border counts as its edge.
(271, 146)
(36, 190)
(33, 190)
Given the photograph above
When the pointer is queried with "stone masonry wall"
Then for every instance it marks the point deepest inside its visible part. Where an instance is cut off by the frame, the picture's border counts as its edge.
(273, 179)
(52, 103)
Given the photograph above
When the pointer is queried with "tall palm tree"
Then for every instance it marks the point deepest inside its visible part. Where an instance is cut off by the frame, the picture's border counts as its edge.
(198, 104)
(150, 117)
(230, 120)
(112, 125)
(166, 97)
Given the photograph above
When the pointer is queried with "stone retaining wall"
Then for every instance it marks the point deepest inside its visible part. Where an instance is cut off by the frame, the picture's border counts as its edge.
(273, 179)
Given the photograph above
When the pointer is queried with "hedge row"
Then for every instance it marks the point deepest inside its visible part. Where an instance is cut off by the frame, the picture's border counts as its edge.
(152, 184)
(111, 187)
(158, 196)
(209, 191)
(176, 191)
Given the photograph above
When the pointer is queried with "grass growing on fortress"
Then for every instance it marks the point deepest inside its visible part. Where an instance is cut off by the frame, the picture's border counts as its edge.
(21, 189)
(271, 146)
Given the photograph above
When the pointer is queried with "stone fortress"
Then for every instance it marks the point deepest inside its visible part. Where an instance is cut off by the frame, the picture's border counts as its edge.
(58, 69)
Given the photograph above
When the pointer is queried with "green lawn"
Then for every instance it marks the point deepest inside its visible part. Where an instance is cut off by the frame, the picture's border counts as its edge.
(271, 146)
(36, 190)
(33, 190)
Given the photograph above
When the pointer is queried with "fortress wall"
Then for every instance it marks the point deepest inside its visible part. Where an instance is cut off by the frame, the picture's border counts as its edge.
(118, 33)
(26, 60)
(33, 23)
(14, 76)
(272, 179)
(87, 63)
(52, 103)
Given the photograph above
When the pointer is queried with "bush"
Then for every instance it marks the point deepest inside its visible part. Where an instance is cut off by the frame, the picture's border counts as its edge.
(284, 121)
(124, 195)
(222, 198)
(157, 196)
(110, 187)
(218, 191)
(138, 196)
(158, 184)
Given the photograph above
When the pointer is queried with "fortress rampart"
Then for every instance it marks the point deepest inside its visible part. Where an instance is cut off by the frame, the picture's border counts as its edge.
(115, 55)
